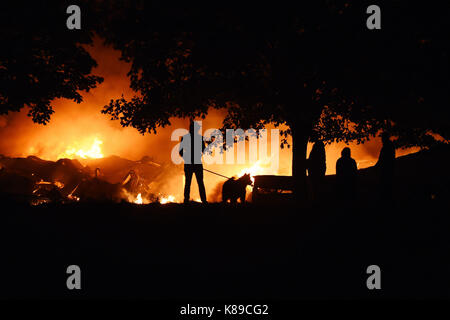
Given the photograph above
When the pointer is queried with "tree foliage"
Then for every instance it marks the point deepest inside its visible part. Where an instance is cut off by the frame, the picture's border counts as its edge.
(41, 59)
(314, 67)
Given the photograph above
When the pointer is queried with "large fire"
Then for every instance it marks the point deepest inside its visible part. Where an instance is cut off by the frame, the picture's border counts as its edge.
(258, 168)
(80, 131)
(90, 148)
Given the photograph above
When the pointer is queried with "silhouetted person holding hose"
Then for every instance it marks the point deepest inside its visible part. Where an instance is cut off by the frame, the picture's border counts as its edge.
(191, 149)
(346, 173)
(386, 167)
(316, 168)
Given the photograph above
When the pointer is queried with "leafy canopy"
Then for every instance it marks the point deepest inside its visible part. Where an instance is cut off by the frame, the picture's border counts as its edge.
(41, 59)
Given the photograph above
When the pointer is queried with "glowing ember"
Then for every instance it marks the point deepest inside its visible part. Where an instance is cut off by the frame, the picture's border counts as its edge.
(167, 199)
(73, 198)
(92, 150)
(59, 184)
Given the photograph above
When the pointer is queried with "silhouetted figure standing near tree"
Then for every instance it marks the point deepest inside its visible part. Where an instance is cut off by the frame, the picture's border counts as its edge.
(191, 149)
(317, 168)
(346, 173)
(386, 167)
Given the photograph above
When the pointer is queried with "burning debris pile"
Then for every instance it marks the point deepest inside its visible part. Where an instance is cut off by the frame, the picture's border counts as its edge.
(112, 178)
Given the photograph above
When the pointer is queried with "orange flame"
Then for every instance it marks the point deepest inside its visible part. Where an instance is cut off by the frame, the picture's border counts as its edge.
(138, 199)
(167, 199)
(87, 150)
(259, 167)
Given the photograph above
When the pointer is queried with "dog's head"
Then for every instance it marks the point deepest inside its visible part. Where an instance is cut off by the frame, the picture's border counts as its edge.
(246, 179)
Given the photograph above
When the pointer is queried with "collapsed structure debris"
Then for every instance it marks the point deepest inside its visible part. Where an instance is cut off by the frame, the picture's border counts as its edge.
(114, 179)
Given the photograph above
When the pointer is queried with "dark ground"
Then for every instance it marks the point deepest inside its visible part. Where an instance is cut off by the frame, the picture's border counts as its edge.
(215, 251)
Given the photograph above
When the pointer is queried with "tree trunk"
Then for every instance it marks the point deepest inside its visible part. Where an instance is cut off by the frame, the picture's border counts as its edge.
(299, 163)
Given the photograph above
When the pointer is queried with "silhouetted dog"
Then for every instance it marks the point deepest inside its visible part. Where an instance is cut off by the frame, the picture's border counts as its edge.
(234, 189)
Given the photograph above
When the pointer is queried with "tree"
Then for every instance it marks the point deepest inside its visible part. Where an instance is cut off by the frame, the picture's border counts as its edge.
(315, 68)
(41, 59)
(399, 76)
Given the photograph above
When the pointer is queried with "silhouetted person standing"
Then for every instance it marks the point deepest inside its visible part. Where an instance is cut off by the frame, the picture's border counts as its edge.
(191, 149)
(386, 167)
(346, 173)
(317, 168)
